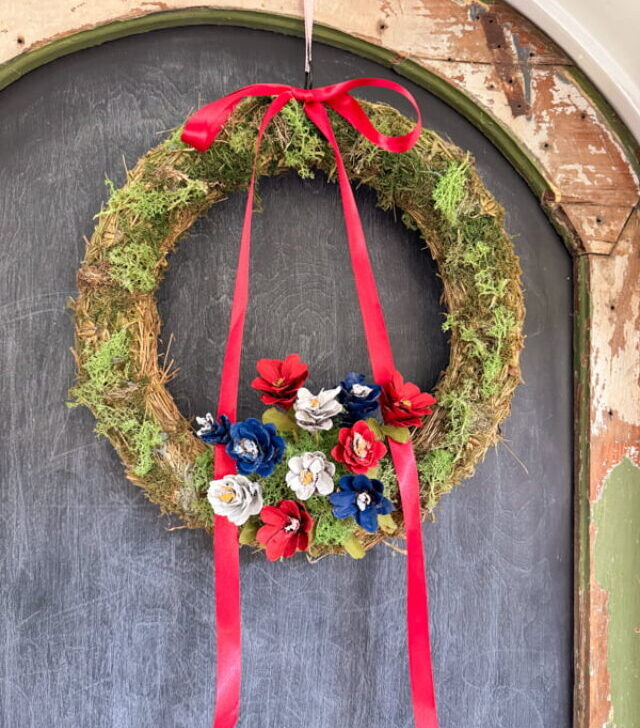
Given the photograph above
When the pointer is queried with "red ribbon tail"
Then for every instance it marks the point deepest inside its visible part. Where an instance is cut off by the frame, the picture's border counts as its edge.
(229, 638)
(381, 355)
(225, 540)
(418, 641)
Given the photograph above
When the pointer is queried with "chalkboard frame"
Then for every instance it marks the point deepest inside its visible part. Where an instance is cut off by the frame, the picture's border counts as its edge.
(604, 439)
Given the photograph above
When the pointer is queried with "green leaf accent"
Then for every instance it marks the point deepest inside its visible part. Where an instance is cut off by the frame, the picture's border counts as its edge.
(387, 524)
(248, 533)
(376, 428)
(354, 548)
(373, 473)
(399, 434)
(282, 421)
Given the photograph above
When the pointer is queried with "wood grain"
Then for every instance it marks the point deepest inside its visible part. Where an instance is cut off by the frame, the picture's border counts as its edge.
(105, 618)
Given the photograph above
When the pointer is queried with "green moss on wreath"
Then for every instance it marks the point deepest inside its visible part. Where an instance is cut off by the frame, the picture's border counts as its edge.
(328, 531)
(437, 192)
(132, 265)
(146, 437)
(152, 203)
(449, 192)
(110, 363)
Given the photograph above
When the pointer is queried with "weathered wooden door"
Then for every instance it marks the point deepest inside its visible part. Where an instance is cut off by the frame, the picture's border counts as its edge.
(106, 616)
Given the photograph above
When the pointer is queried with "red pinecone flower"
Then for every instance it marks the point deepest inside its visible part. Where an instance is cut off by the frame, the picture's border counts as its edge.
(279, 381)
(403, 404)
(358, 448)
(286, 529)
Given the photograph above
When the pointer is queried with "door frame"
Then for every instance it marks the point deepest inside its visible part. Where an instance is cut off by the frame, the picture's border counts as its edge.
(523, 92)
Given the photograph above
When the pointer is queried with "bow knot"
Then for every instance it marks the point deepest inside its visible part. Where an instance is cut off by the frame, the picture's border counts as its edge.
(305, 94)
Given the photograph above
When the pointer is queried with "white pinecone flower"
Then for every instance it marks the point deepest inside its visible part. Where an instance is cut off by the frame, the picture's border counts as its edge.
(235, 497)
(309, 473)
(314, 412)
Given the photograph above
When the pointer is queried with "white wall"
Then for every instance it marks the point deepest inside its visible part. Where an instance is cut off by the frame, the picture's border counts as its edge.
(603, 37)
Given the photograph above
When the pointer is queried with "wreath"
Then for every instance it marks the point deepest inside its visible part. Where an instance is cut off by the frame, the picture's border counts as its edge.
(315, 460)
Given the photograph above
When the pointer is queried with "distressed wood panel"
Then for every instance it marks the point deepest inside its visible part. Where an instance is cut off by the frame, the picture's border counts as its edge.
(107, 618)
(580, 156)
(438, 29)
(615, 355)
(613, 362)
(599, 226)
(464, 31)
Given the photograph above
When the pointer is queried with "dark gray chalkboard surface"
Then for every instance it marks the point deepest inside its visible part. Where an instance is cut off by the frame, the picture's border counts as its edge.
(105, 616)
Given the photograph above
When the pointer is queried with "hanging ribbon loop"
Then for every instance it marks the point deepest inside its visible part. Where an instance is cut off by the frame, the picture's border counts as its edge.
(200, 132)
(308, 42)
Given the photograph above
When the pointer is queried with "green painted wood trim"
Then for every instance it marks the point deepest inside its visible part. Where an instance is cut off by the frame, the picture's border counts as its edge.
(582, 513)
(582, 411)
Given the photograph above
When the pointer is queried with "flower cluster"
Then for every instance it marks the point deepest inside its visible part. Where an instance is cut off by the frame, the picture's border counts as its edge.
(347, 424)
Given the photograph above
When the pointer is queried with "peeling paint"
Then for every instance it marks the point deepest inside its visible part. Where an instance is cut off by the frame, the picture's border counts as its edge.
(570, 99)
(616, 519)
(599, 691)
(615, 353)
(598, 223)
(554, 133)
(523, 53)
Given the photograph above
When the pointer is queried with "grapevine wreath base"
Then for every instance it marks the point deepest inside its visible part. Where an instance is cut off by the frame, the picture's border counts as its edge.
(438, 192)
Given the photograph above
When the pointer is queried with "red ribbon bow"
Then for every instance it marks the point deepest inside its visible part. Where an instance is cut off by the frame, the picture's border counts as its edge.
(200, 132)
(205, 125)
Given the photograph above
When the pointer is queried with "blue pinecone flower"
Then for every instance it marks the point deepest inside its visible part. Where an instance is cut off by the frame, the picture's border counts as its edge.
(212, 432)
(359, 398)
(255, 447)
(362, 498)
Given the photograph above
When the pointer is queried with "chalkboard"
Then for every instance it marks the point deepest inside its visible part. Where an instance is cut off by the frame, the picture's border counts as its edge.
(106, 615)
